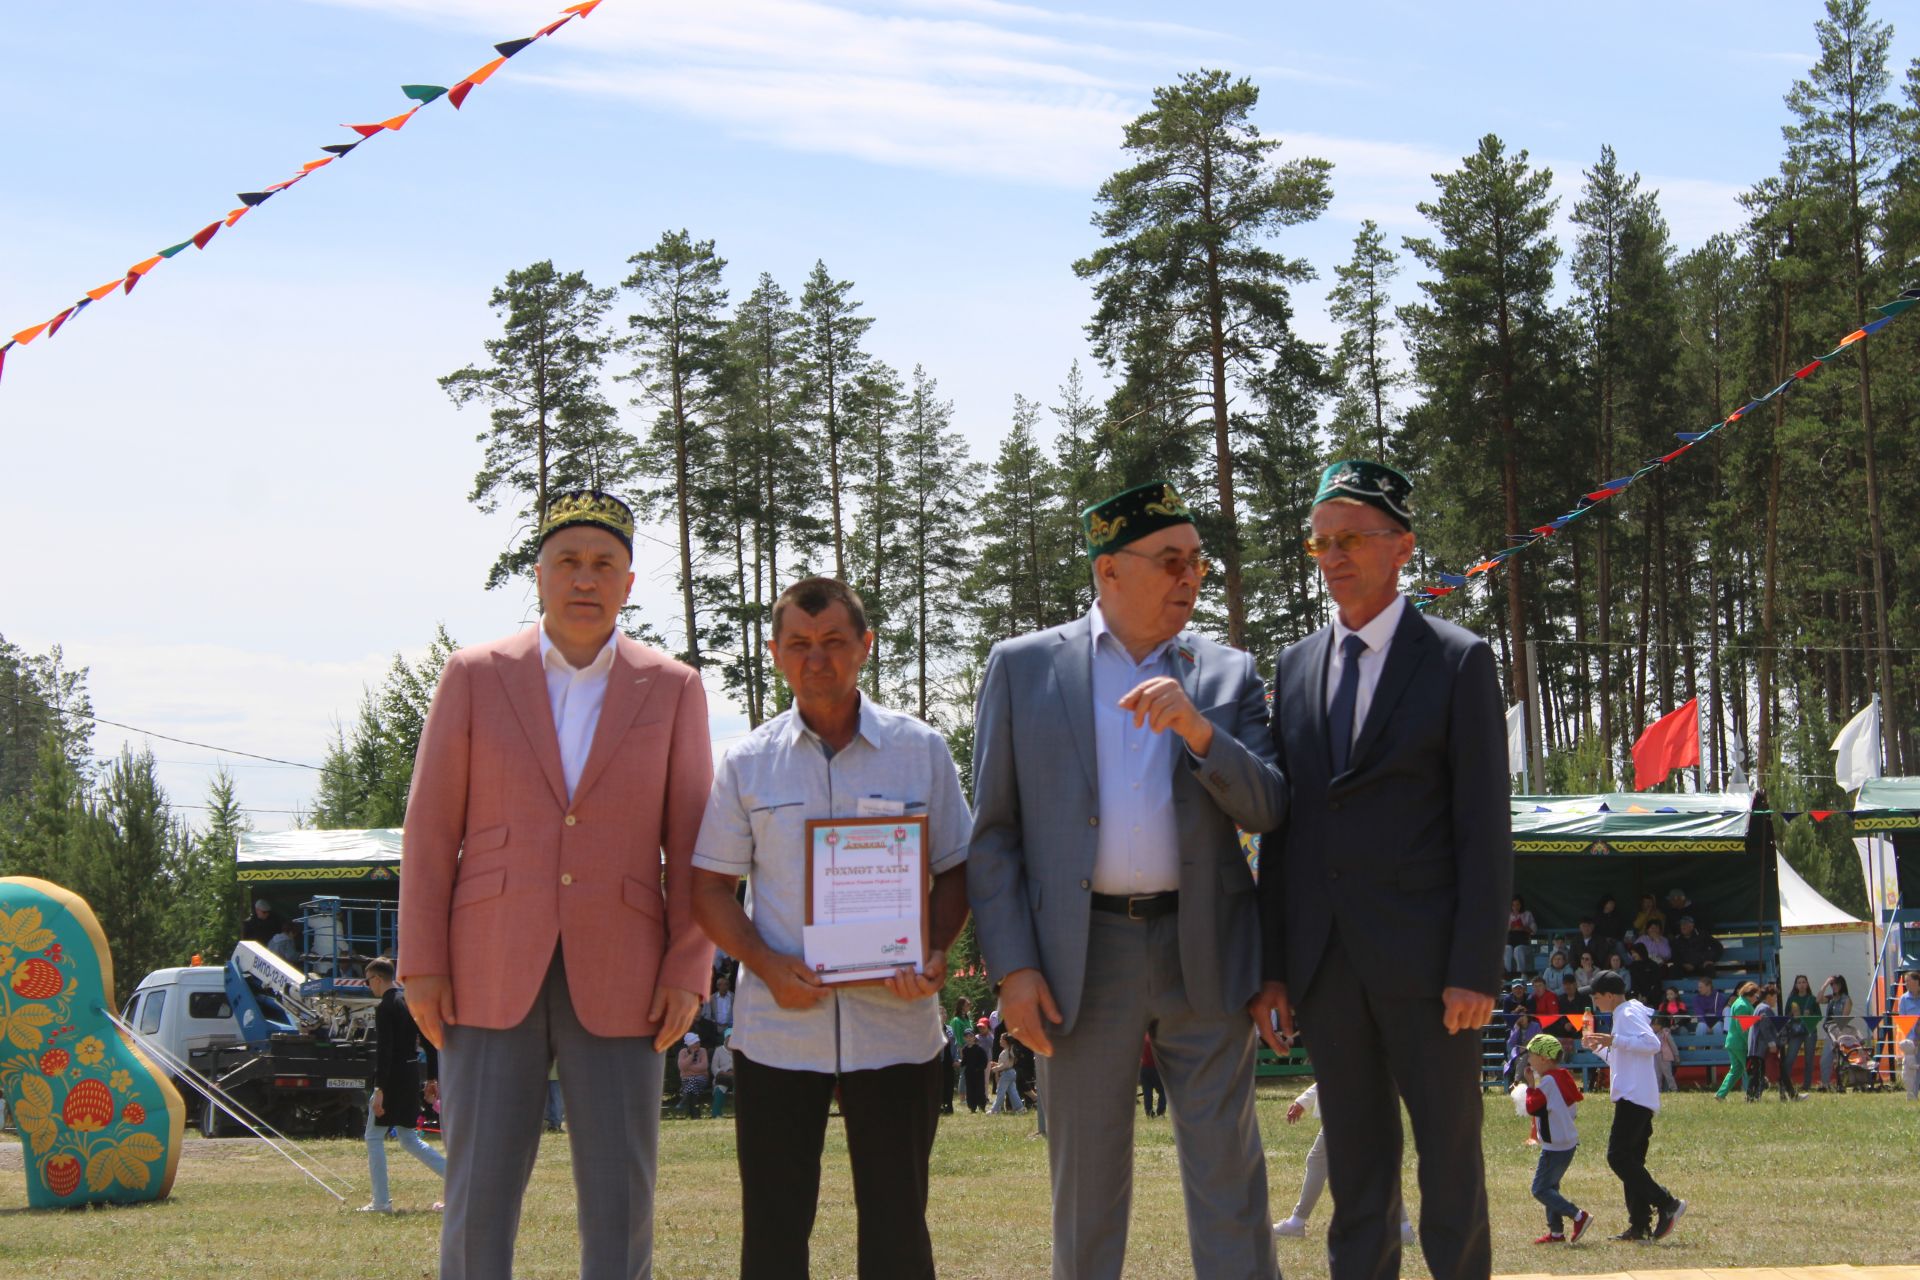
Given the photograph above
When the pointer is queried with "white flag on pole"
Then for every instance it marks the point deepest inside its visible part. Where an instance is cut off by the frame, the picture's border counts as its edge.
(1858, 745)
(1517, 738)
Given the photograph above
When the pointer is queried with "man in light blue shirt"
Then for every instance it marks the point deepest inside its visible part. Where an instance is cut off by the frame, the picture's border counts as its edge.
(833, 754)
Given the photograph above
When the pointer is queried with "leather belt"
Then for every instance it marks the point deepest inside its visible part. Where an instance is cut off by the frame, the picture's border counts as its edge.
(1143, 906)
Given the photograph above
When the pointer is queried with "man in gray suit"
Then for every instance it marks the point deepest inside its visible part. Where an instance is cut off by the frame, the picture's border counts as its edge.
(1113, 757)
(1385, 896)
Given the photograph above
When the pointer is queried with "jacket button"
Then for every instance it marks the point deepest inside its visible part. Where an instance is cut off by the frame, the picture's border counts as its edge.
(1093, 822)
(566, 877)
(571, 819)
(1086, 884)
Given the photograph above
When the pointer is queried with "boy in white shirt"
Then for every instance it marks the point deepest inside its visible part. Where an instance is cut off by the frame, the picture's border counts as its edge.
(1629, 1051)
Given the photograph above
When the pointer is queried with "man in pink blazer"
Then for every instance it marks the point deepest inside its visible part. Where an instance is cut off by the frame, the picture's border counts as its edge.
(560, 784)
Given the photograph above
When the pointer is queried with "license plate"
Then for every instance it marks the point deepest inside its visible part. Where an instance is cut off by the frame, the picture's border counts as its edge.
(346, 1084)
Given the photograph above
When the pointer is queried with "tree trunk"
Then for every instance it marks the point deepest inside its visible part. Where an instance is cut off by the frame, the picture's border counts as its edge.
(1769, 588)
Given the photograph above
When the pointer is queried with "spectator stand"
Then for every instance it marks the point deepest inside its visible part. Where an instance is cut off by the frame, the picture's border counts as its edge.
(1570, 851)
(1886, 826)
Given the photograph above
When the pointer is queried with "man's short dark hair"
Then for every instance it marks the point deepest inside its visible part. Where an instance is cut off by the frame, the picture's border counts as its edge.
(813, 595)
(1585, 920)
(382, 966)
(1608, 984)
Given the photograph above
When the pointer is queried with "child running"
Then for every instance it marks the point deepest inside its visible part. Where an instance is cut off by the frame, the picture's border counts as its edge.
(1629, 1052)
(1295, 1224)
(1551, 1098)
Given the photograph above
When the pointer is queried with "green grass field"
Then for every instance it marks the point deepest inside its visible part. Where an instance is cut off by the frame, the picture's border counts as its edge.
(1826, 1181)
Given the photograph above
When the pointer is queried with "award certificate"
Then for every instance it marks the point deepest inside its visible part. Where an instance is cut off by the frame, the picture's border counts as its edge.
(867, 895)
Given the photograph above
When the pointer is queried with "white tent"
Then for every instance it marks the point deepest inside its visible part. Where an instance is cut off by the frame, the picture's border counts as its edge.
(1819, 939)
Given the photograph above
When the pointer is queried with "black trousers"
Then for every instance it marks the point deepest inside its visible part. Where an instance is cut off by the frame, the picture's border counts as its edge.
(1627, 1157)
(1149, 1086)
(891, 1115)
(1370, 1052)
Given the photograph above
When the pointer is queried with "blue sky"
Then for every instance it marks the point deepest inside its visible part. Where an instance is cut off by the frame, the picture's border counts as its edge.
(235, 494)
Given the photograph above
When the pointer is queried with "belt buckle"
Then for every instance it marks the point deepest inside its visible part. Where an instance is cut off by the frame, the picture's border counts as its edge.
(1132, 901)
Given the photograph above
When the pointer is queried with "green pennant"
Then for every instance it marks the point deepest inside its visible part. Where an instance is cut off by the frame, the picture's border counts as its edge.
(1894, 308)
(184, 244)
(423, 93)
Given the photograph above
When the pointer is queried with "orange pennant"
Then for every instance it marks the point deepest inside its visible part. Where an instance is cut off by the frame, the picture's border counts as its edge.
(1904, 1023)
(238, 214)
(552, 27)
(398, 122)
(311, 165)
(1579, 1020)
(28, 335)
(480, 76)
(584, 8)
(1852, 338)
(1548, 1019)
(103, 290)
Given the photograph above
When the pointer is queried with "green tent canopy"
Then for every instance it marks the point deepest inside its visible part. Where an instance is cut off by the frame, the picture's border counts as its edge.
(1631, 823)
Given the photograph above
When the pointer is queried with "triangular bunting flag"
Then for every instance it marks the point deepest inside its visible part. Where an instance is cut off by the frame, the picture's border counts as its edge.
(53, 325)
(3, 358)
(339, 148)
(141, 268)
(1820, 815)
(1809, 370)
(511, 47)
(458, 94)
(399, 122)
(100, 291)
(252, 199)
(172, 249)
(1577, 1020)
(423, 93)
(1894, 308)
(1746, 1020)
(1548, 1019)
(364, 130)
(311, 165)
(205, 234)
(28, 335)
(1903, 1025)
(480, 76)
(552, 27)
(1453, 580)
(1665, 458)
(584, 8)
(235, 215)
(1873, 1022)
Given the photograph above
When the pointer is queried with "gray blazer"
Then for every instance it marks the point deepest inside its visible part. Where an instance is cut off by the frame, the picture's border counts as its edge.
(1410, 851)
(1036, 807)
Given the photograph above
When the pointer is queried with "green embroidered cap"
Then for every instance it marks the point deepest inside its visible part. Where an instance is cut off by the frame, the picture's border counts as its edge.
(1130, 516)
(1373, 483)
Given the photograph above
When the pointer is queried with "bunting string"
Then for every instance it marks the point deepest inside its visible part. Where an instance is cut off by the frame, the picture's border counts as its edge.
(421, 95)
(1452, 582)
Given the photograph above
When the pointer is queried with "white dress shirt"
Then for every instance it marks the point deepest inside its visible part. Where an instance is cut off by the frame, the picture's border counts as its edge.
(1630, 1057)
(576, 694)
(1138, 850)
(1377, 635)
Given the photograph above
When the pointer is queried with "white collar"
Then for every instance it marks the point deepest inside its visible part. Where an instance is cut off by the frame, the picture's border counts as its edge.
(1378, 631)
(1097, 621)
(552, 659)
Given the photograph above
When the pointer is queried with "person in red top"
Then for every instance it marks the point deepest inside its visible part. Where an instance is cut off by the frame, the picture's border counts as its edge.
(1551, 1099)
(1150, 1080)
(1545, 1003)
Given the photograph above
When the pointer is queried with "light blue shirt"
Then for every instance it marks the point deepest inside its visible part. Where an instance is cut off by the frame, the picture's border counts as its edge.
(1138, 850)
(764, 792)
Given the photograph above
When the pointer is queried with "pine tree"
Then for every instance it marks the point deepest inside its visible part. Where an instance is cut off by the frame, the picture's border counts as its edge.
(1187, 284)
(1026, 572)
(938, 487)
(678, 340)
(871, 411)
(1363, 367)
(835, 364)
(551, 429)
(204, 915)
(128, 863)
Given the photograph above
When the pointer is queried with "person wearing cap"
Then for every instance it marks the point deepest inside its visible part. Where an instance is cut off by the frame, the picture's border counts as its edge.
(1113, 758)
(1552, 1099)
(1385, 897)
(797, 1042)
(264, 925)
(546, 910)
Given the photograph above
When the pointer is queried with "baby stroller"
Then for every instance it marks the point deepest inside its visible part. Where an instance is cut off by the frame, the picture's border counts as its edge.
(1852, 1056)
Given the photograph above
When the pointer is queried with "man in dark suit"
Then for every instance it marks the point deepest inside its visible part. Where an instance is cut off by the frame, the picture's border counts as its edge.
(1385, 910)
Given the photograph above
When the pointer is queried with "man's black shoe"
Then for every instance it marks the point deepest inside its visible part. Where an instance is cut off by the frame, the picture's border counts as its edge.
(1664, 1226)
(1636, 1234)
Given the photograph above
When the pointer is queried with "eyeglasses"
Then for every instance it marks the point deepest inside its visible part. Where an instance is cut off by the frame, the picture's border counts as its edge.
(1175, 566)
(1348, 540)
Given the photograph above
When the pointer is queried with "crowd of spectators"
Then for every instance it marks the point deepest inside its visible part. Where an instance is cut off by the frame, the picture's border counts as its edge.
(1659, 952)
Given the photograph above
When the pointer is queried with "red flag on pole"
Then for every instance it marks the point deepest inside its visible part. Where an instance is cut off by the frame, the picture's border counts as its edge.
(1671, 742)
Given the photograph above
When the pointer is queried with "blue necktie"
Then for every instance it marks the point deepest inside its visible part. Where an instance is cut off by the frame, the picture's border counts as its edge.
(1340, 714)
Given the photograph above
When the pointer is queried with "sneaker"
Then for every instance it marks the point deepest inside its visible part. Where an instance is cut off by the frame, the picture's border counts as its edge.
(1668, 1217)
(1636, 1234)
(1552, 1237)
(1406, 1233)
(1292, 1226)
(375, 1208)
(1578, 1227)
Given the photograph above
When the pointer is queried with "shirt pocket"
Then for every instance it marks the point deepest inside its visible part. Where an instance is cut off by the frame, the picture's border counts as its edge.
(769, 815)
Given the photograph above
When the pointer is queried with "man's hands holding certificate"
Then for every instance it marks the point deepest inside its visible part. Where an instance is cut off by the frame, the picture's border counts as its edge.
(795, 986)
(908, 984)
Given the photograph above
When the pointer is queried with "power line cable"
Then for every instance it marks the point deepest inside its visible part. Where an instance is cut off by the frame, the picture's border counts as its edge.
(164, 737)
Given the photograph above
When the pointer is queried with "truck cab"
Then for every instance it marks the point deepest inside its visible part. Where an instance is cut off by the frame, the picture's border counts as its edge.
(184, 1010)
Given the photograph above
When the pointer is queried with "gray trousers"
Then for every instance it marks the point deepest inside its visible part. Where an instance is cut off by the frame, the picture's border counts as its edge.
(494, 1087)
(1133, 989)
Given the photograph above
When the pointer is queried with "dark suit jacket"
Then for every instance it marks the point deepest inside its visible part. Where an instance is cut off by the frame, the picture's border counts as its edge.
(1410, 851)
(396, 1067)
